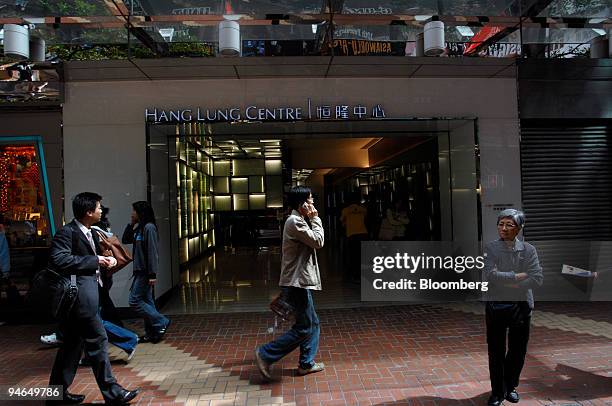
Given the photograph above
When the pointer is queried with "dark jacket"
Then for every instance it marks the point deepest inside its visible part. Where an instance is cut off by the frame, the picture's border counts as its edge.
(80, 260)
(144, 250)
(502, 263)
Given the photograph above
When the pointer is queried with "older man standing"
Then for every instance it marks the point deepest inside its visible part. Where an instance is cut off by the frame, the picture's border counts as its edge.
(512, 269)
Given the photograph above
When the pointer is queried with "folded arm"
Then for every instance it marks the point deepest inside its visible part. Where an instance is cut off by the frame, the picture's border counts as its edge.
(492, 274)
(535, 277)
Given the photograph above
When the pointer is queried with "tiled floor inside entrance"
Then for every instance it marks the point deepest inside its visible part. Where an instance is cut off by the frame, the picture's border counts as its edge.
(412, 355)
(246, 280)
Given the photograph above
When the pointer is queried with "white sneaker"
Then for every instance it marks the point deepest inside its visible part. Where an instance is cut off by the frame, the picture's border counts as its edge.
(317, 367)
(131, 354)
(50, 339)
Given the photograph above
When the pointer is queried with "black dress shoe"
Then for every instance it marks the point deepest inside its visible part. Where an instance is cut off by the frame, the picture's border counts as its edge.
(153, 338)
(513, 396)
(160, 334)
(124, 398)
(73, 398)
(494, 400)
(163, 330)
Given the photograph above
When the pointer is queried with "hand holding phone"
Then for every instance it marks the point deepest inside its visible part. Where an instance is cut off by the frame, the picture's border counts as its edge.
(308, 210)
(304, 209)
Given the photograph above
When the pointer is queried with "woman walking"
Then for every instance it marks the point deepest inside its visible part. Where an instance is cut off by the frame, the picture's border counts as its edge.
(142, 233)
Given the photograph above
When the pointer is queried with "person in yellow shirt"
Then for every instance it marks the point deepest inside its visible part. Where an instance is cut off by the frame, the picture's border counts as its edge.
(353, 218)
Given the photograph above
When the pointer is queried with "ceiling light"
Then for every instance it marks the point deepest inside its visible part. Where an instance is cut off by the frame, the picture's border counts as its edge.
(37, 49)
(599, 31)
(229, 38)
(433, 35)
(465, 31)
(422, 17)
(16, 41)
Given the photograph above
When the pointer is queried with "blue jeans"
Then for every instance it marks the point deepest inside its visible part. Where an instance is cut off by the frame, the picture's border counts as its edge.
(141, 301)
(120, 337)
(304, 333)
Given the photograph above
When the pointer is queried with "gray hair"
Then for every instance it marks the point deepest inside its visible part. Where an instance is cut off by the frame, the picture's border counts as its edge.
(516, 215)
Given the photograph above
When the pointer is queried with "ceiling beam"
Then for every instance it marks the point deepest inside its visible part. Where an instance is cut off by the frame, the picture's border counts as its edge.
(119, 8)
(306, 19)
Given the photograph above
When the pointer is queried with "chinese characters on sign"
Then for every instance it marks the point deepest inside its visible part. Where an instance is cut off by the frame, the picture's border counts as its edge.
(343, 112)
(256, 113)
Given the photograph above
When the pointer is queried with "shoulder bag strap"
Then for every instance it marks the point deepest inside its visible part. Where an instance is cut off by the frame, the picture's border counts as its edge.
(75, 242)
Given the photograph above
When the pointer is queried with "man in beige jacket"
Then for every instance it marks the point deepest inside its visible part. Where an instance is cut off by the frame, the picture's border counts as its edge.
(299, 276)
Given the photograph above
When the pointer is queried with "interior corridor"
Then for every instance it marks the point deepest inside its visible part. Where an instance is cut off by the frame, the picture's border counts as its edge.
(220, 190)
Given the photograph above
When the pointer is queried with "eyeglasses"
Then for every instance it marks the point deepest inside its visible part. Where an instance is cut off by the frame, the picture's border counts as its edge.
(509, 226)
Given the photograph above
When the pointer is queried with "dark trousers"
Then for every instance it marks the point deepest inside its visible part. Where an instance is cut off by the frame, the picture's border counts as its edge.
(506, 363)
(83, 330)
(108, 310)
(142, 302)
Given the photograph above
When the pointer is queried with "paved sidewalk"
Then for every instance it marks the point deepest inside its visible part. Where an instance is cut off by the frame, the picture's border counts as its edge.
(413, 355)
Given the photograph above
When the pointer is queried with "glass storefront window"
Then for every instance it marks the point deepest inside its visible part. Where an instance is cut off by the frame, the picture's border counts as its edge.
(25, 217)
(22, 202)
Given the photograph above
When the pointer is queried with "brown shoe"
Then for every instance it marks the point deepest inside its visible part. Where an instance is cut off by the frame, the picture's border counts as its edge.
(264, 367)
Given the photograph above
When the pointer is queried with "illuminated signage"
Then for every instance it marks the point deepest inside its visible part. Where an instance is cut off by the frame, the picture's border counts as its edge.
(259, 113)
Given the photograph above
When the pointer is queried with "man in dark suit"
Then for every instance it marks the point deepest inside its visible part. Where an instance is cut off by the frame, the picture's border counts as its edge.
(75, 251)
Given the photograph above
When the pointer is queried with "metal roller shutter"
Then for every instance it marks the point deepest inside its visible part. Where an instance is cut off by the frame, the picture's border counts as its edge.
(567, 199)
(567, 182)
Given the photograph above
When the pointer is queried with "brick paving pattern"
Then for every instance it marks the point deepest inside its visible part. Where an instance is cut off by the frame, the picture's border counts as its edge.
(553, 320)
(422, 355)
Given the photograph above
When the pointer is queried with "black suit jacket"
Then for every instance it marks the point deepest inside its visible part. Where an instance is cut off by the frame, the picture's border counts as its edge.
(79, 260)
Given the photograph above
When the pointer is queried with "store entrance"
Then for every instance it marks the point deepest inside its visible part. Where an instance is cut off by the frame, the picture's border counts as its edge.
(218, 192)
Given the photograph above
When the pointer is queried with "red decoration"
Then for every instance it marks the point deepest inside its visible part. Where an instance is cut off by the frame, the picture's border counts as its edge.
(11, 159)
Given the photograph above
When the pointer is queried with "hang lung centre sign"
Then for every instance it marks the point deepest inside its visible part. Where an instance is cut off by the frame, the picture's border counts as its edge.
(256, 113)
